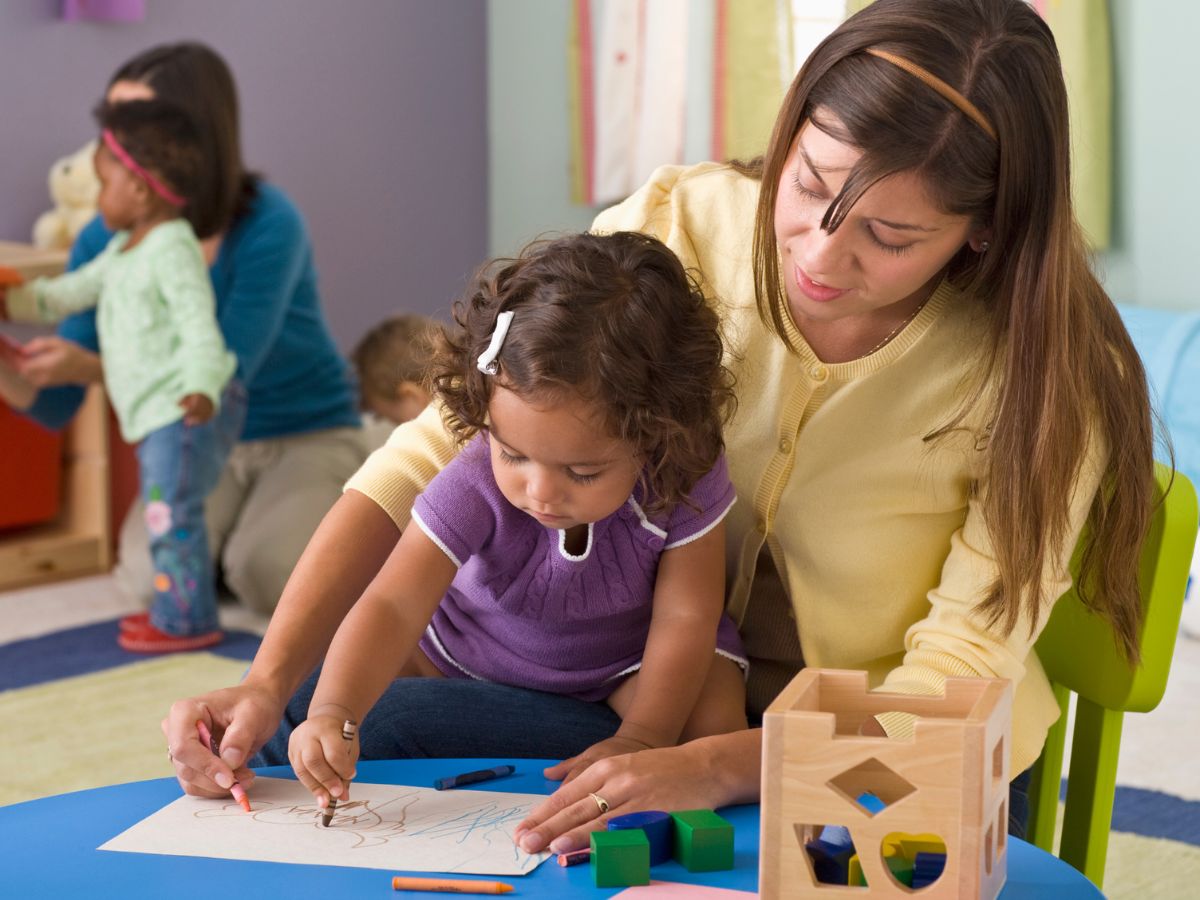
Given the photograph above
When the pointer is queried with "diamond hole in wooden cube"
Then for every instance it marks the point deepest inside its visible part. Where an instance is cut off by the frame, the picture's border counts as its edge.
(831, 856)
(913, 860)
(871, 786)
(1001, 827)
(998, 761)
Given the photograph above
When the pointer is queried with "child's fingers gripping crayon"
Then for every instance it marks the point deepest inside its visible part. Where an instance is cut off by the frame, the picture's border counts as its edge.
(349, 730)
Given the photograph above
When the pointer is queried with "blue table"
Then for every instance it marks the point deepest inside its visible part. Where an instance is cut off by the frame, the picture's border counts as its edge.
(49, 849)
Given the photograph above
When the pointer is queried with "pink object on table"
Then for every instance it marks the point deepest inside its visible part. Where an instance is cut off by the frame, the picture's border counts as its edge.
(667, 890)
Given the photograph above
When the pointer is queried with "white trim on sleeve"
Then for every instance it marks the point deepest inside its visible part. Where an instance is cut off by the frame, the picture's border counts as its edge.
(437, 540)
(705, 530)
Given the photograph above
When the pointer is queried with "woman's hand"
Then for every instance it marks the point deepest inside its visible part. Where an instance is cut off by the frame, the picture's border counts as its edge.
(670, 778)
(52, 361)
(241, 718)
(567, 770)
(322, 759)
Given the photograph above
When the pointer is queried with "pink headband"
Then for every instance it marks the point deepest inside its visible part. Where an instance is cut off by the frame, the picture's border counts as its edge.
(131, 164)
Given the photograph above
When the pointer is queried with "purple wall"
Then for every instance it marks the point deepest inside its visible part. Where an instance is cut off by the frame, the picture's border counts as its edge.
(372, 114)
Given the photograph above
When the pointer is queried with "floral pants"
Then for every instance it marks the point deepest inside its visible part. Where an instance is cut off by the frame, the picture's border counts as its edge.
(179, 466)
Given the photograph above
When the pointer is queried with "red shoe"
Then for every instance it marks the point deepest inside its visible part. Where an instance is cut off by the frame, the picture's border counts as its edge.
(134, 621)
(149, 639)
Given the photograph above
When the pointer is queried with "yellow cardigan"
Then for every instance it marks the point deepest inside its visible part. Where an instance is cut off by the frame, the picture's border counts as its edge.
(874, 531)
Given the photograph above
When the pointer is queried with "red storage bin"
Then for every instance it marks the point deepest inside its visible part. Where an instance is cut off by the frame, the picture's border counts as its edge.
(30, 470)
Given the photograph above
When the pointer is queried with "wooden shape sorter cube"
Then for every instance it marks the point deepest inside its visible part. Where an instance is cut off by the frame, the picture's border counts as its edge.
(948, 781)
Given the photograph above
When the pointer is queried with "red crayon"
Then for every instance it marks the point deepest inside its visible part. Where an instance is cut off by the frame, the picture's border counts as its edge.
(575, 857)
(239, 792)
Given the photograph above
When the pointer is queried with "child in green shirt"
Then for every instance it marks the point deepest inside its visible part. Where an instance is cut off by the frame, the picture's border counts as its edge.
(168, 373)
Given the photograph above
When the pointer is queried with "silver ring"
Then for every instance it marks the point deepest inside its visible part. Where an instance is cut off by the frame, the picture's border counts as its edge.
(349, 730)
(600, 802)
(170, 755)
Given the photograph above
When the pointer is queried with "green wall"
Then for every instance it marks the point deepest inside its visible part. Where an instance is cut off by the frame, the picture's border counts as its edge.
(1157, 71)
(1157, 197)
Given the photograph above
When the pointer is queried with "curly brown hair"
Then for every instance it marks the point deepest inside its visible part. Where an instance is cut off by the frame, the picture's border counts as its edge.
(614, 319)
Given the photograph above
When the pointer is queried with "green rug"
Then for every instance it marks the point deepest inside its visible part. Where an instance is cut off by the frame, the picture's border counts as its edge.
(100, 728)
(1143, 868)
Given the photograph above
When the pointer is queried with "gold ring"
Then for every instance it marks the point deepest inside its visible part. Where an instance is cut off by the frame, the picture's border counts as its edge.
(600, 802)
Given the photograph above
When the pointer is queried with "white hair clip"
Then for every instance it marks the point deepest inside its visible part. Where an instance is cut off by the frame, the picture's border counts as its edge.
(487, 359)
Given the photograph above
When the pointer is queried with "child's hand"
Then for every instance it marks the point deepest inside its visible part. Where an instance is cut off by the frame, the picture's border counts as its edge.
(322, 759)
(613, 746)
(197, 409)
(11, 352)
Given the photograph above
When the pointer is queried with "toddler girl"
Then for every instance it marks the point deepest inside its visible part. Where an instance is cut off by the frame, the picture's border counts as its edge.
(166, 369)
(576, 545)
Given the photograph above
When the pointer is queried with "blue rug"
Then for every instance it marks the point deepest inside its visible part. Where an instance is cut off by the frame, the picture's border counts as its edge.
(90, 648)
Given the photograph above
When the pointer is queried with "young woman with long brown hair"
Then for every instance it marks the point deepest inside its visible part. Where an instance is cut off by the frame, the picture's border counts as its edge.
(935, 395)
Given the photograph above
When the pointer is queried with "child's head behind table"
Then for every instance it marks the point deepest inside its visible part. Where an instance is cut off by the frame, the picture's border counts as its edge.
(391, 361)
(592, 361)
(148, 160)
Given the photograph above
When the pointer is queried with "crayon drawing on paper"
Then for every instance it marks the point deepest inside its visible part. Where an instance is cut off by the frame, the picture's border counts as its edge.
(382, 826)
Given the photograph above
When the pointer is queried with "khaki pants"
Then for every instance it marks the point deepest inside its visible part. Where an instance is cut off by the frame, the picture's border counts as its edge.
(271, 496)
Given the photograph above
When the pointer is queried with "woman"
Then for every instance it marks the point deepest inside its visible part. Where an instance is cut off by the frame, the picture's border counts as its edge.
(930, 382)
(301, 439)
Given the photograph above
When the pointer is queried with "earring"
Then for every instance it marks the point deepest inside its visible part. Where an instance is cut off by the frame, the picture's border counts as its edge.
(983, 246)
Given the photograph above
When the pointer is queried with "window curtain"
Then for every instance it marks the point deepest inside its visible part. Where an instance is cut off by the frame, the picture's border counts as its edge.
(629, 64)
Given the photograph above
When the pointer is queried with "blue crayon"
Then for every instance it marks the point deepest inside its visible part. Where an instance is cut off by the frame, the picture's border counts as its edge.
(473, 777)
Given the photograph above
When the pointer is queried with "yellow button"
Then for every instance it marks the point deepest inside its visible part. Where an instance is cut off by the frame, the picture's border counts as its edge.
(819, 373)
(785, 445)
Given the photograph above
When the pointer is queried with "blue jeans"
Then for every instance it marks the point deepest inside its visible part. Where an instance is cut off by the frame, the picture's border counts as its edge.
(424, 718)
(179, 465)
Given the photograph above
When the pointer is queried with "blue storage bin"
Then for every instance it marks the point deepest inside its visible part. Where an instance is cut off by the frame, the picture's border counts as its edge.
(1169, 345)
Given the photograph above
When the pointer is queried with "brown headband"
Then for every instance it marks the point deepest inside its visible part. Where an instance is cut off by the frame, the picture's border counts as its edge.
(968, 108)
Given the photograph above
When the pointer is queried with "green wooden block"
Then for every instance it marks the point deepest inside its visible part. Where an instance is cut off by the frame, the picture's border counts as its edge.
(703, 840)
(620, 858)
(901, 869)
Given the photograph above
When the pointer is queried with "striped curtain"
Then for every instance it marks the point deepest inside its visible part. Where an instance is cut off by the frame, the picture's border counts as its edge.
(670, 81)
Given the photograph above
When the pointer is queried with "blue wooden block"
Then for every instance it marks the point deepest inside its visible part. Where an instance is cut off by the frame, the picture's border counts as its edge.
(927, 868)
(830, 862)
(659, 828)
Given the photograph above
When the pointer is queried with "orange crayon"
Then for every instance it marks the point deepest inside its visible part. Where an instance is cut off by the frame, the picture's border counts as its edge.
(239, 792)
(449, 885)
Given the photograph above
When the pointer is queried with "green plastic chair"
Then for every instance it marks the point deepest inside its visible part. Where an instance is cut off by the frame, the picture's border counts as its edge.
(1079, 653)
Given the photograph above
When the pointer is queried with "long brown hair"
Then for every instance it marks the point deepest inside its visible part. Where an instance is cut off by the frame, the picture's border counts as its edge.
(1065, 371)
(615, 319)
(196, 79)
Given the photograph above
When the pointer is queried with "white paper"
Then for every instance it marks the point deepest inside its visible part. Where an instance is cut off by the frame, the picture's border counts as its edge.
(382, 826)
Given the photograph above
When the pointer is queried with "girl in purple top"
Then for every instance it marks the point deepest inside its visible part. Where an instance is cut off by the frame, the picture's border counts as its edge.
(576, 545)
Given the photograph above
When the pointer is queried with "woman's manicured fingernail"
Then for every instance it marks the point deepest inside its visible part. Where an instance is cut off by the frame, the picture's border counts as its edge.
(224, 780)
(531, 842)
(561, 845)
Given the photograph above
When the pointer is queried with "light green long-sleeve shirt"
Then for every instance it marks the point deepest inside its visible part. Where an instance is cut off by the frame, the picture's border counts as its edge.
(156, 318)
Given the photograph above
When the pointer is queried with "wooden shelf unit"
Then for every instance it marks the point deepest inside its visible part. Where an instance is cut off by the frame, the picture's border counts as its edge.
(79, 541)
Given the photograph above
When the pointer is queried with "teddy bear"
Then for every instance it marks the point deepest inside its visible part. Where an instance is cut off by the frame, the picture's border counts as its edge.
(74, 188)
